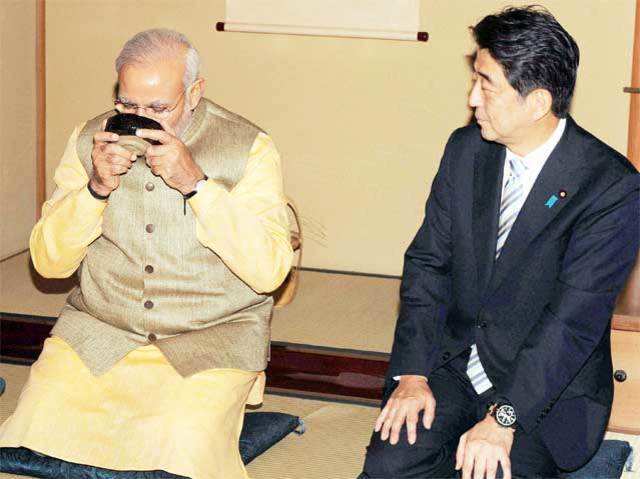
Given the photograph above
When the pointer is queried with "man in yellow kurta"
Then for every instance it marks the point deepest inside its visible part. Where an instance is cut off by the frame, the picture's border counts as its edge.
(155, 355)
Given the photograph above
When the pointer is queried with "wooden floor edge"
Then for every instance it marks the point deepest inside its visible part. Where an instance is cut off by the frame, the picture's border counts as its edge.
(331, 398)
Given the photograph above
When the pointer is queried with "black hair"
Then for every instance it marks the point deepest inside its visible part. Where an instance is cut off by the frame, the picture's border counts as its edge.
(534, 52)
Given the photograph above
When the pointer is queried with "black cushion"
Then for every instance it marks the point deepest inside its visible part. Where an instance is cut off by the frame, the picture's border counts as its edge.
(261, 430)
(25, 462)
(607, 463)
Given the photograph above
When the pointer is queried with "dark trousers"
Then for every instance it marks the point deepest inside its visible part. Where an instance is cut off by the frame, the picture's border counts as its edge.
(458, 409)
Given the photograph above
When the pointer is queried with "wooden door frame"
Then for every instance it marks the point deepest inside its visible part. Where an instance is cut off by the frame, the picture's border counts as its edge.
(41, 104)
(633, 148)
(628, 305)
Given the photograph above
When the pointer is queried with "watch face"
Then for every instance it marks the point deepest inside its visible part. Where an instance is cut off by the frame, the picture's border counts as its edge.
(506, 415)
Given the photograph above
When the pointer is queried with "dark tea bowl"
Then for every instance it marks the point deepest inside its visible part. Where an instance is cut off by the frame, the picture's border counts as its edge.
(125, 126)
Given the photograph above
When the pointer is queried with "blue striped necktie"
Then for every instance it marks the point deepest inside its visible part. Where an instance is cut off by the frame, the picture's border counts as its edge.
(510, 205)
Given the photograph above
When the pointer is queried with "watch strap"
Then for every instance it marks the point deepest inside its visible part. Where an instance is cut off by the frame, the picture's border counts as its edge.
(95, 194)
(195, 190)
(191, 194)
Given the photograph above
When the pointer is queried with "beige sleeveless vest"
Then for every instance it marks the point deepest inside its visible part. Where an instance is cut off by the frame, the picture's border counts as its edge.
(147, 278)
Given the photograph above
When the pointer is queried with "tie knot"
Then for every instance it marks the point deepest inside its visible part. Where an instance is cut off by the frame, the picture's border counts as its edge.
(517, 166)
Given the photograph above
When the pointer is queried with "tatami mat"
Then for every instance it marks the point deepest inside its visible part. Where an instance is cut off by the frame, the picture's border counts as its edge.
(340, 311)
(332, 310)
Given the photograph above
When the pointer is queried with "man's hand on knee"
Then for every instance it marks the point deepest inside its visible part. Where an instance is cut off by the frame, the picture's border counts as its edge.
(412, 395)
(482, 447)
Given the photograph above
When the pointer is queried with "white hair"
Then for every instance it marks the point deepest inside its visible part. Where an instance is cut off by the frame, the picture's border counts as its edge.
(160, 43)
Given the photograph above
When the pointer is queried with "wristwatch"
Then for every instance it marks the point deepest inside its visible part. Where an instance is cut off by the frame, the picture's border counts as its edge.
(199, 185)
(97, 195)
(504, 413)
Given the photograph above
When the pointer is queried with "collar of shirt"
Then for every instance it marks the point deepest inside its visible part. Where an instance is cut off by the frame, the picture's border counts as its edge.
(535, 160)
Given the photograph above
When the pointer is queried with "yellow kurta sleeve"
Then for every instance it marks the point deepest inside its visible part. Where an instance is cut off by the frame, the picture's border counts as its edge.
(71, 219)
(248, 227)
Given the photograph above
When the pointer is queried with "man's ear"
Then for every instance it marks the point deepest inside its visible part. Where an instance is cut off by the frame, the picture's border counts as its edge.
(540, 102)
(195, 93)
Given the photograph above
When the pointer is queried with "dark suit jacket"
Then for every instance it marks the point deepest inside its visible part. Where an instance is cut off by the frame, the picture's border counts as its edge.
(540, 314)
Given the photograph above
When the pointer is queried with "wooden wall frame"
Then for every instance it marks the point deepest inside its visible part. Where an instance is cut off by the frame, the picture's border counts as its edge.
(629, 300)
(41, 105)
(625, 336)
(633, 149)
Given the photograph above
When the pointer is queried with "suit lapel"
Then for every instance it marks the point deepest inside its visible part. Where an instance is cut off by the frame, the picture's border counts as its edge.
(487, 186)
(561, 172)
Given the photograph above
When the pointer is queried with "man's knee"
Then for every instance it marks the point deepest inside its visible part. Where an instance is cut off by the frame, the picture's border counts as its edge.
(379, 463)
(384, 461)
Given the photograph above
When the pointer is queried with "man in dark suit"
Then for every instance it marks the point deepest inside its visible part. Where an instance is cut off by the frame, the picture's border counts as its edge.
(501, 362)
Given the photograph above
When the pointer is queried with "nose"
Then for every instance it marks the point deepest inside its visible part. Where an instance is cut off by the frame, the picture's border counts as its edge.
(475, 95)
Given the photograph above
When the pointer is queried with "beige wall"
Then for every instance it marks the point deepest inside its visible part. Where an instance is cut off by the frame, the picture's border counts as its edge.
(17, 124)
(360, 123)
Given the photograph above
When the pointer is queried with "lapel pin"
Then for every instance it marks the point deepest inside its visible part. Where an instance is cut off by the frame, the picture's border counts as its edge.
(563, 194)
(551, 201)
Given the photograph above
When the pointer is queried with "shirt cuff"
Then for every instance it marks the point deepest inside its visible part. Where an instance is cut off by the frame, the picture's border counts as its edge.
(87, 204)
(397, 378)
(205, 197)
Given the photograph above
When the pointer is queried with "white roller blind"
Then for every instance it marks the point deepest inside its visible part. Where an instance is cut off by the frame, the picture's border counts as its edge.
(387, 19)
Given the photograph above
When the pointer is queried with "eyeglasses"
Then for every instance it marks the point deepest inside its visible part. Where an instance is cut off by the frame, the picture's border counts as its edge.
(159, 111)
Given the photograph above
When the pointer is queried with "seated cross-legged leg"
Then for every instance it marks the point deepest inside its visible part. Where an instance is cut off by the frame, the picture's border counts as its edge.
(140, 416)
